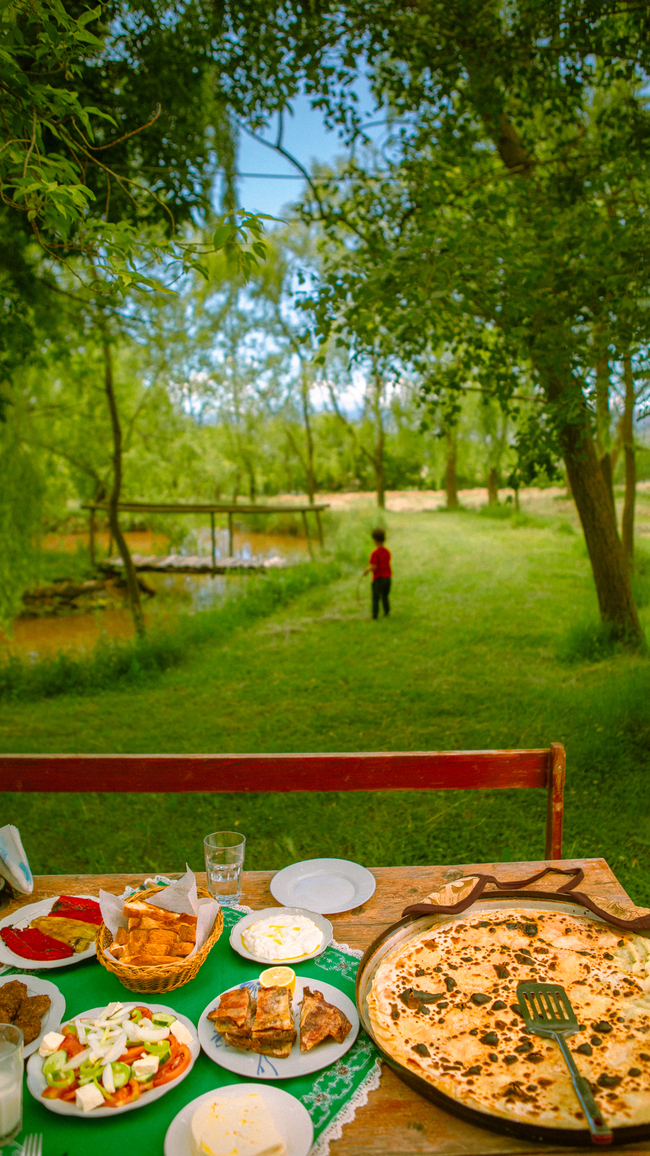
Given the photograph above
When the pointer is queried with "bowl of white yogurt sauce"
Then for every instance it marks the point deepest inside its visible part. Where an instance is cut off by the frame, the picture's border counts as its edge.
(281, 935)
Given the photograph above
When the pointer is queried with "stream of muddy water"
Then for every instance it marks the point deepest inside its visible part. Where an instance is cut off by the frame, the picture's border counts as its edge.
(174, 593)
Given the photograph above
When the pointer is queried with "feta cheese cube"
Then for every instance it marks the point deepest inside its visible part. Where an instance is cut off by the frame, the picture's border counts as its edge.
(181, 1032)
(88, 1097)
(145, 1068)
(50, 1043)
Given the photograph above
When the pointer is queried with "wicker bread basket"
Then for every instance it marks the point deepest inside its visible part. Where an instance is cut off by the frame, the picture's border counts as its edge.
(163, 976)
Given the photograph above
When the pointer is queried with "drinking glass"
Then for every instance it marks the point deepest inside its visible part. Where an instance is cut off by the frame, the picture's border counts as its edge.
(224, 859)
(11, 1082)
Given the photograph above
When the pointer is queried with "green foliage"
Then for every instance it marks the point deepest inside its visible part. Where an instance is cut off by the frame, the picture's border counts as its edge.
(137, 661)
(21, 488)
(72, 91)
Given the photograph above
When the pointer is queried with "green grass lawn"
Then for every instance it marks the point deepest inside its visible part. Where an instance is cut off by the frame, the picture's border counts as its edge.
(469, 658)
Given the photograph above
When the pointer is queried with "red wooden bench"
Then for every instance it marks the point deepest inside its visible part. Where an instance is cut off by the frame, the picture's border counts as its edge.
(379, 771)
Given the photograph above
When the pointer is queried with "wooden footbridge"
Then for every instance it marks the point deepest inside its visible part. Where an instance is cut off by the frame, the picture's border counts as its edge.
(194, 564)
(191, 564)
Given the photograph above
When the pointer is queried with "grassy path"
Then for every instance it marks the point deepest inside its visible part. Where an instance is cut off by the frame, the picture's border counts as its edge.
(468, 659)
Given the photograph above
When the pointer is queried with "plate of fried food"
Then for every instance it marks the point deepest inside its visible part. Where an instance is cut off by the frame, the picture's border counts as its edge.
(272, 1033)
(52, 933)
(32, 1004)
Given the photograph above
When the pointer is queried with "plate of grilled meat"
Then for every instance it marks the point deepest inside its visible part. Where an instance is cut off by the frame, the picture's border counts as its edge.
(34, 1005)
(266, 1034)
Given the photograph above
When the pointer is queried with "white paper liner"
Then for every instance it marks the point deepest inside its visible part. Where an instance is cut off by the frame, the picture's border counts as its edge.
(180, 897)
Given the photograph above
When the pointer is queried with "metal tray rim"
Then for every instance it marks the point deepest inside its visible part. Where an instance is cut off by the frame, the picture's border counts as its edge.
(394, 936)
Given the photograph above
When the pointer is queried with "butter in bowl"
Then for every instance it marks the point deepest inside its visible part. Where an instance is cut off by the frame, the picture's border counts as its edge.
(281, 935)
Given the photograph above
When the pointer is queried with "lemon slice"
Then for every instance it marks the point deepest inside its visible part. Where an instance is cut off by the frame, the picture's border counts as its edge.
(279, 977)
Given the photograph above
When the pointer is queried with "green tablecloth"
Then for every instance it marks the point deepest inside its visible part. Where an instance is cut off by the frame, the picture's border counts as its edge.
(330, 1095)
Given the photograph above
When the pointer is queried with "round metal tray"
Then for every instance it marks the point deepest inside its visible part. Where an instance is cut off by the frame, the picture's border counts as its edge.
(407, 929)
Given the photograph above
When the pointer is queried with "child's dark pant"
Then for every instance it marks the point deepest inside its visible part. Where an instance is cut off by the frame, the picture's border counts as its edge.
(380, 590)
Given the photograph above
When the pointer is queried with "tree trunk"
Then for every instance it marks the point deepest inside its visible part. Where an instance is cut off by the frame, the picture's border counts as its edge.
(594, 505)
(493, 487)
(380, 471)
(378, 456)
(114, 496)
(450, 472)
(309, 471)
(603, 423)
(252, 491)
(627, 429)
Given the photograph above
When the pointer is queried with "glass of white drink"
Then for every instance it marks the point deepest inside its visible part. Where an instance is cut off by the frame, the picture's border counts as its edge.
(11, 1082)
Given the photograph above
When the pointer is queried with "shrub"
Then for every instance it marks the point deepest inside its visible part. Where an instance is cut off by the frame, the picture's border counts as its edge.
(136, 660)
(590, 641)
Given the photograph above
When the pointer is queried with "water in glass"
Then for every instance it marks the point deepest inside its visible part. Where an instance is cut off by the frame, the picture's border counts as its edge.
(224, 860)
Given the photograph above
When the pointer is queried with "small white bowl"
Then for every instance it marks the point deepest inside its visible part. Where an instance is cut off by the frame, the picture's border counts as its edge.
(237, 942)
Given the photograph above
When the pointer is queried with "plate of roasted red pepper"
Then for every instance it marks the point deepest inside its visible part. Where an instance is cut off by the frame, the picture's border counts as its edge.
(52, 933)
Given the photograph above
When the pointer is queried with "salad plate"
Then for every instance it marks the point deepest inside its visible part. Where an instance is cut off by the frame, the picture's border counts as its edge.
(238, 944)
(290, 1117)
(21, 919)
(324, 885)
(54, 1014)
(37, 1082)
(298, 1063)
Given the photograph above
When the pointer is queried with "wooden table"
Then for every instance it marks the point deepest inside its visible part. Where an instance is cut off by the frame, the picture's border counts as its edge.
(396, 1121)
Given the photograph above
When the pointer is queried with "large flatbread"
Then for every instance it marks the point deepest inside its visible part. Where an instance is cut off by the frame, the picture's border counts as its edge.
(444, 1005)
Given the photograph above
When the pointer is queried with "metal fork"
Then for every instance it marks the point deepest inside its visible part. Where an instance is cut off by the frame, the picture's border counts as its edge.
(547, 1011)
(33, 1145)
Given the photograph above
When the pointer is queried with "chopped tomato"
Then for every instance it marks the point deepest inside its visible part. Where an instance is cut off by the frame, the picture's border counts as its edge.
(144, 1011)
(132, 1054)
(173, 1066)
(71, 1046)
(125, 1095)
(69, 1093)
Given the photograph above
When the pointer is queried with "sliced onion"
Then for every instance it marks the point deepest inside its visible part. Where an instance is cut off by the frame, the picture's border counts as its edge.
(132, 1032)
(77, 1060)
(152, 1035)
(116, 1050)
(107, 1079)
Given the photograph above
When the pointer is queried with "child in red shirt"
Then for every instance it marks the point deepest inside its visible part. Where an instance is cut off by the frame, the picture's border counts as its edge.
(381, 573)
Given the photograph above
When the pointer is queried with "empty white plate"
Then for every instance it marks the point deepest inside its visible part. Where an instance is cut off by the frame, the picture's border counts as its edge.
(290, 1117)
(323, 885)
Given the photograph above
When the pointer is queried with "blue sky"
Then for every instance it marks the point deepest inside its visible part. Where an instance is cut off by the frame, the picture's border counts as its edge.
(307, 138)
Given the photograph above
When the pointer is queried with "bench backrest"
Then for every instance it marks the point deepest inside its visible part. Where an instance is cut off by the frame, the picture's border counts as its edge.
(374, 771)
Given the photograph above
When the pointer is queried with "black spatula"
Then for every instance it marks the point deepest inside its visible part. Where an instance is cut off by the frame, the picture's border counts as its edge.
(547, 1011)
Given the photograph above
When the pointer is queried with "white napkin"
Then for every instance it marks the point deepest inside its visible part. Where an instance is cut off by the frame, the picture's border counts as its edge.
(13, 861)
(180, 897)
